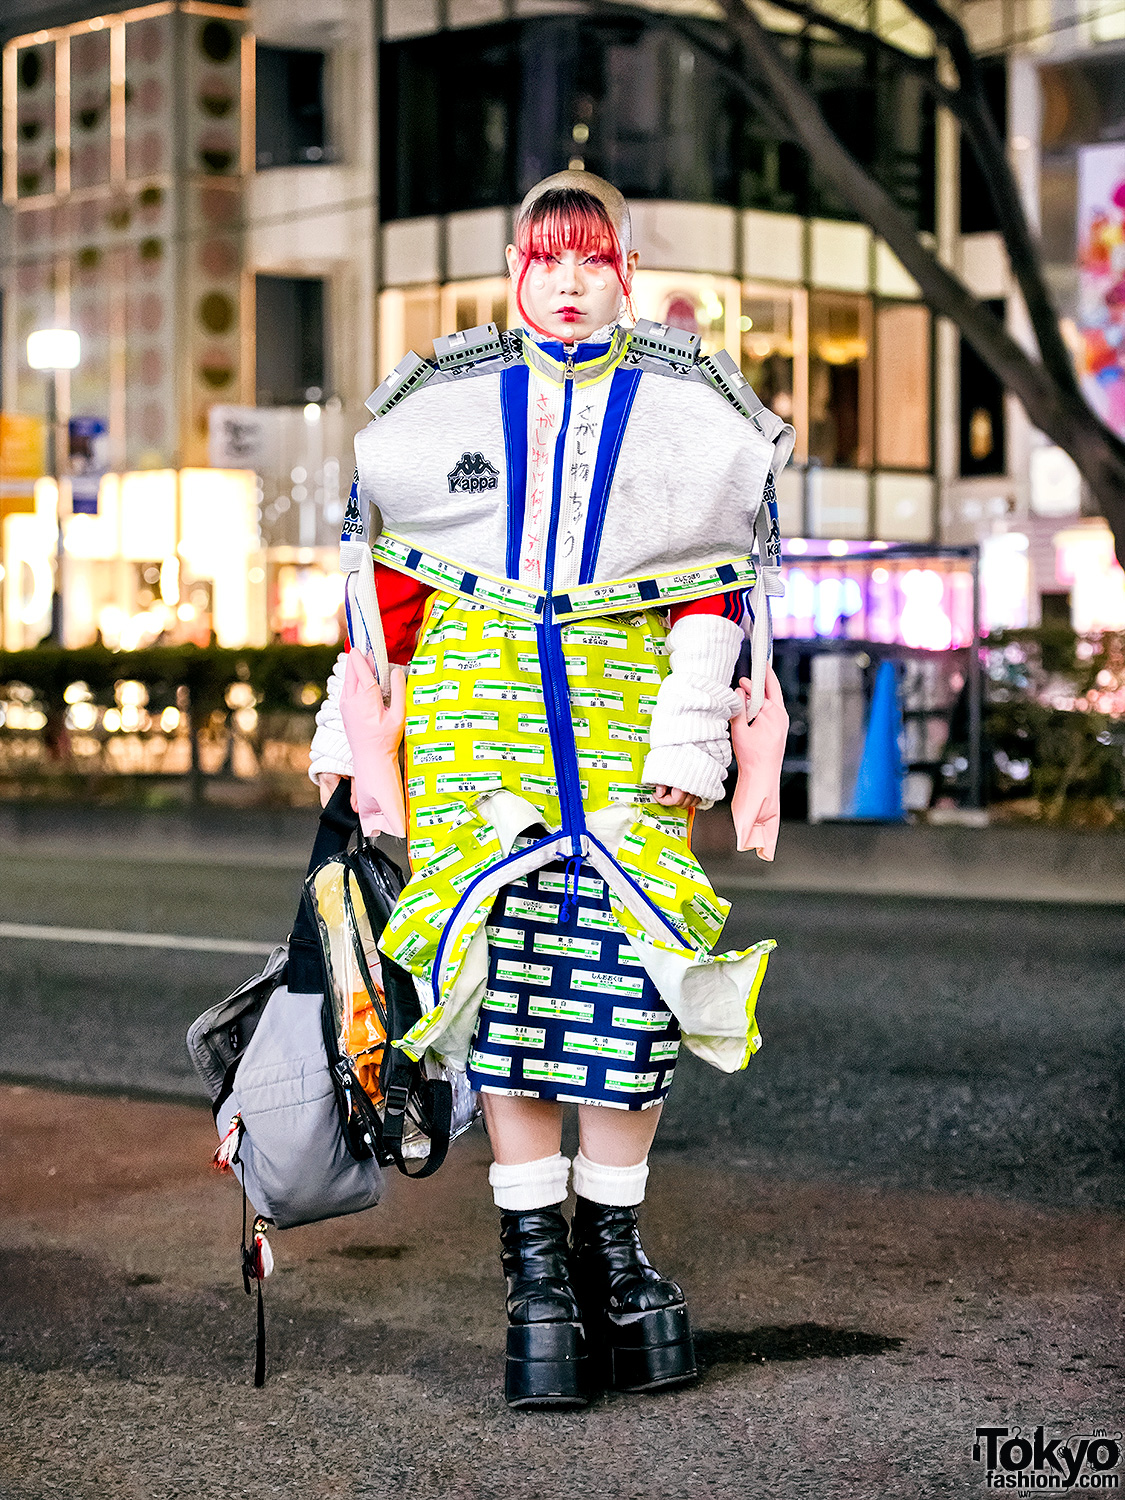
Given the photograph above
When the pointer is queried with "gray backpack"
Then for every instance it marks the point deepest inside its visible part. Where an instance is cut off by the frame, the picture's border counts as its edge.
(295, 1126)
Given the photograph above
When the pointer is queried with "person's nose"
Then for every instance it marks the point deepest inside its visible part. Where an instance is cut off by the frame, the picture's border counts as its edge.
(571, 281)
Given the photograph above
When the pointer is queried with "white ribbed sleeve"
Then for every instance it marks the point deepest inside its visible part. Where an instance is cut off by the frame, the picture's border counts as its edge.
(330, 753)
(690, 732)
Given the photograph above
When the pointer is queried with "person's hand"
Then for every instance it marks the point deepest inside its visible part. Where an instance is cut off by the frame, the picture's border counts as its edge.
(674, 796)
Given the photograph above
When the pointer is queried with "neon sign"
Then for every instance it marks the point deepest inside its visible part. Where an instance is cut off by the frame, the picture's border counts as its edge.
(928, 608)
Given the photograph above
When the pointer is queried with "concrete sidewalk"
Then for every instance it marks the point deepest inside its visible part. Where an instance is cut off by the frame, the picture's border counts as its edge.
(993, 863)
(851, 1339)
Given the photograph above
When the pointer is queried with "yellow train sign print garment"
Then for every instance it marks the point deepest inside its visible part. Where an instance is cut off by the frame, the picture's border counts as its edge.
(481, 766)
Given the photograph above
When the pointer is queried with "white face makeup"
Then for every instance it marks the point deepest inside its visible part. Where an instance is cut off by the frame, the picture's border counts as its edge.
(569, 296)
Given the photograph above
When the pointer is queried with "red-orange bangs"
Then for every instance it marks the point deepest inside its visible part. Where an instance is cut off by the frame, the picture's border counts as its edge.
(567, 219)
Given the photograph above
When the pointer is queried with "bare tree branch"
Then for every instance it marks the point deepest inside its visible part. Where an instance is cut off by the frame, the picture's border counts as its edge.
(970, 105)
(874, 205)
(903, 61)
(1055, 406)
(703, 41)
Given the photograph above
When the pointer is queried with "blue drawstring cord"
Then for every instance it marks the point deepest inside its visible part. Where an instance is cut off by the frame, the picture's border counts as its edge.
(573, 869)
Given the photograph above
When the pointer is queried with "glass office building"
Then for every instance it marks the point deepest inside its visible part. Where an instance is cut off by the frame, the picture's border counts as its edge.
(740, 241)
(264, 211)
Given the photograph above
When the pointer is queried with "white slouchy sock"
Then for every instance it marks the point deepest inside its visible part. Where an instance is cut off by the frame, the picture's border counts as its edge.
(530, 1184)
(615, 1187)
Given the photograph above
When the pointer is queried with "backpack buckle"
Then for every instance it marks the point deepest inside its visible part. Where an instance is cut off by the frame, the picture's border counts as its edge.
(397, 1097)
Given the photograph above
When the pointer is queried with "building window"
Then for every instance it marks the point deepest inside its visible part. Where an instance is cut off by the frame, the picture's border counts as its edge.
(412, 317)
(840, 380)
(978, 213)
(290, 116)
(470, 304)
(852, 373)
(982, 413)
(290, 340)
(467, 121)
(408, 320)
(693, 302)
(902, 386)
(774, 343)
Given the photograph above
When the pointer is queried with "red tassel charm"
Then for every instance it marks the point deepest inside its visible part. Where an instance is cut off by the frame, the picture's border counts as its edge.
(226, 1156)
(262, 1254)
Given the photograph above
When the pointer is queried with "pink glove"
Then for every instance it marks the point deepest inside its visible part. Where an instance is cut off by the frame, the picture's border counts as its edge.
(759, 749)
(374, 731)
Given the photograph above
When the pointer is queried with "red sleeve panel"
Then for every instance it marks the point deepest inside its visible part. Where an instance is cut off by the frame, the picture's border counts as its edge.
(729, 606)
(402, 601)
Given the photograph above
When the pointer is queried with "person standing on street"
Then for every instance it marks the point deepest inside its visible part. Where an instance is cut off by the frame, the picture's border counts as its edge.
(566, 564)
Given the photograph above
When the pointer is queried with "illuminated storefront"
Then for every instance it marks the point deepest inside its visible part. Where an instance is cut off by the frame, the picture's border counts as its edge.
(170, 556)
(924, 604)
(1086, 565)
(740, 242)
(908, 596)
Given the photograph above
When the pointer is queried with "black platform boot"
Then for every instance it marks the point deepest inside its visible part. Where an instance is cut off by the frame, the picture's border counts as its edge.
(546, 1349)
(634, 1317)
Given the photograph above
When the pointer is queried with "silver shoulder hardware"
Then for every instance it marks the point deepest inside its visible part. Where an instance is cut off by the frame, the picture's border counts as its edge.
(470, 350)
(469, 346)
(480, 351)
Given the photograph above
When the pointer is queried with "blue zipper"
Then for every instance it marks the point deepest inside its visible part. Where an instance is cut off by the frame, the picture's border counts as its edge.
(557, 697)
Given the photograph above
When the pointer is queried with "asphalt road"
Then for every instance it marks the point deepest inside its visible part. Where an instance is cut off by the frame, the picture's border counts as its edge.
(913, 1043)
(902, 1222)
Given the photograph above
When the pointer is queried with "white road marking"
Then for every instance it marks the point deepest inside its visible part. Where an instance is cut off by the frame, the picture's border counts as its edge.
(131, 939)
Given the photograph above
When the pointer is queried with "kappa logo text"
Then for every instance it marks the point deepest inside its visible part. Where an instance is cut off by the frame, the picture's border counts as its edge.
(472, 473)
(1030, 1462)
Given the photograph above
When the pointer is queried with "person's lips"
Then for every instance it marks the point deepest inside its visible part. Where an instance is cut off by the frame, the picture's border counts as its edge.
(569, 314)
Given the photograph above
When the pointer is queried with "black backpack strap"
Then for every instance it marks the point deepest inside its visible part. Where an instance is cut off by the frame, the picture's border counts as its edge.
(405, 1077)
(441, 1123)
(438, 1096)
(337, 824)
(333, 835)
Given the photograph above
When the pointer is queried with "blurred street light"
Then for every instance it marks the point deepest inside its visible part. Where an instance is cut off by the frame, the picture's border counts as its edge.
(52, 350)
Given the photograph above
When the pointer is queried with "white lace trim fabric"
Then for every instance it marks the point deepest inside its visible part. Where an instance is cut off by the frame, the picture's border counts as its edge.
(690, 731)
(602, 335)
